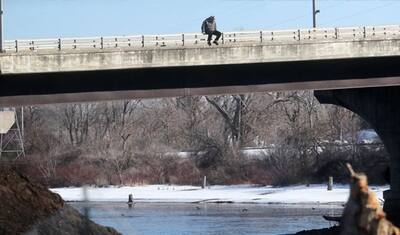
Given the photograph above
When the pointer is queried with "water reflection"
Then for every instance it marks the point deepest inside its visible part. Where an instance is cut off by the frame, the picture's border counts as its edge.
(214, 219)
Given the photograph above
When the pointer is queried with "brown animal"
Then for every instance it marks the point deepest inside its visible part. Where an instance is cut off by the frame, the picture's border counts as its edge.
(363, 215)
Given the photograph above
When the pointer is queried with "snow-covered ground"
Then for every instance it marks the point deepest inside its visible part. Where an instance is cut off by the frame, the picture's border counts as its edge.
(237, 193)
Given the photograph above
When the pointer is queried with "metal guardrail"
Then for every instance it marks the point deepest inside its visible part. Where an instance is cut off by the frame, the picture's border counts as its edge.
(193, 39)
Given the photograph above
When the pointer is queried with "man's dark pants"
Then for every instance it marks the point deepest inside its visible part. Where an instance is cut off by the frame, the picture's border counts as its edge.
(216, 33)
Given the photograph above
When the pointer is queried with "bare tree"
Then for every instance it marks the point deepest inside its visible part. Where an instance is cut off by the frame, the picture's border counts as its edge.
(233, 111)
(76, 119)
(136, 138)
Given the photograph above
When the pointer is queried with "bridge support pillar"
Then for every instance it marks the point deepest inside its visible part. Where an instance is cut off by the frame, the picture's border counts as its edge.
(379, 106)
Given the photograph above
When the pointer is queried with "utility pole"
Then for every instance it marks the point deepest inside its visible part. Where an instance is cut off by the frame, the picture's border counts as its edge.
(1, 26)
(315, 12)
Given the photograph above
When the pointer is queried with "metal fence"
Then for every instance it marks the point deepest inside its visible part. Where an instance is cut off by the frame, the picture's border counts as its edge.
(193, 39)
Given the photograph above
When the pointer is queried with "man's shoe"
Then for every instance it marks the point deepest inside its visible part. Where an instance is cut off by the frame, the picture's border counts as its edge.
(216, 43)
(209, 43)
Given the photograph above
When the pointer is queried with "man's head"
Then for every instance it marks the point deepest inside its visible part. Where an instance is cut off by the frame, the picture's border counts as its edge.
(212, 18)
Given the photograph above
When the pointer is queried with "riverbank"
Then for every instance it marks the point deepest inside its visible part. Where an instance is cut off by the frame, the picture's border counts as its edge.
(313, 194)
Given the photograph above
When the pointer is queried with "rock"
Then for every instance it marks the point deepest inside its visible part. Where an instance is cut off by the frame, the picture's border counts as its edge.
(68, 221)
(28, 208)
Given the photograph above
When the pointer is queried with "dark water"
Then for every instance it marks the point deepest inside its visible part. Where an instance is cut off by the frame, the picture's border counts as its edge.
(213, 219)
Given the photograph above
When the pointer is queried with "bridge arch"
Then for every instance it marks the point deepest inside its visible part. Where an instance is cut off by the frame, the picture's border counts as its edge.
(379, 107)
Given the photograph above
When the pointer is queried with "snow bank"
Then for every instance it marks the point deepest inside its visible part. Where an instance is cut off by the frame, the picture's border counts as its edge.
(237, 193)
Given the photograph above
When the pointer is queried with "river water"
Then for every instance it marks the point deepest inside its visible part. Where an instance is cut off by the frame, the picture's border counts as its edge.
(212, 219)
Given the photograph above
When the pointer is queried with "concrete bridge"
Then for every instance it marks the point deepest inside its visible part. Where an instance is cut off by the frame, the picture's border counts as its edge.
(357, 68)
(89, 69)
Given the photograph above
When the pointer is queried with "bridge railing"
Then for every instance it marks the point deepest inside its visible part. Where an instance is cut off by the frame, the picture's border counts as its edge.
(193, 39)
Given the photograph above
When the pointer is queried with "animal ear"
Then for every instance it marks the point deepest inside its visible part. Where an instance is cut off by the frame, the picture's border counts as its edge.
(350, 168)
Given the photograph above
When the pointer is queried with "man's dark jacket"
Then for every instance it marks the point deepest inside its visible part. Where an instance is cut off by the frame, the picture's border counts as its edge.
(209, 25)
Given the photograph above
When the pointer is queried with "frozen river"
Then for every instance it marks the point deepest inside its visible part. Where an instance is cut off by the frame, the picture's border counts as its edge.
(213, 219)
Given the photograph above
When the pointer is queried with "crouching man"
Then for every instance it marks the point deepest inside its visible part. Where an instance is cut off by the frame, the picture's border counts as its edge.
(209, 27)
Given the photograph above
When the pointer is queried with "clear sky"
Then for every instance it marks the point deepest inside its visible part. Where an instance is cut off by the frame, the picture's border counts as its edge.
(24, 19)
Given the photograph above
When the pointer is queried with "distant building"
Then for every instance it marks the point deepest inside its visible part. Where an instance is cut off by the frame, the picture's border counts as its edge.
(367, 136)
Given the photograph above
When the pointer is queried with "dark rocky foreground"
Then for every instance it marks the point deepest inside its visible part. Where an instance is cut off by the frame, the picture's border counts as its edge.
(326, 231)
(28, 208)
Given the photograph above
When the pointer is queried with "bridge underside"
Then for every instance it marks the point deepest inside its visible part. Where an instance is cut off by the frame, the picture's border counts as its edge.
(380, 107)
(82, 86)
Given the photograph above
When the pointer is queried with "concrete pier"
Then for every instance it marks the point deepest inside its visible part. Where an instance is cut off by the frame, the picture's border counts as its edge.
(380, 108)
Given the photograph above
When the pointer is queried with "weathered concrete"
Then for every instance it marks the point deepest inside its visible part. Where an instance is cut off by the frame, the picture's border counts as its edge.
(97, 59)
(7, 121)
(379, 107)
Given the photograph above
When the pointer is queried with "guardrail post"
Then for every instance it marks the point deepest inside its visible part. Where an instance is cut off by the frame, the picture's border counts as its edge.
(261, 36)
(299, 35)
(102, 43)
(223, 38)
(336, 33)
(16, 45)
(74, 43)
(272, 36)
(364, 32)
(59, 44)
(195, 39)
(183, 39)
(33, 45)
(129, 42)
(163, 42)
(142, 40)
(116, 42)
